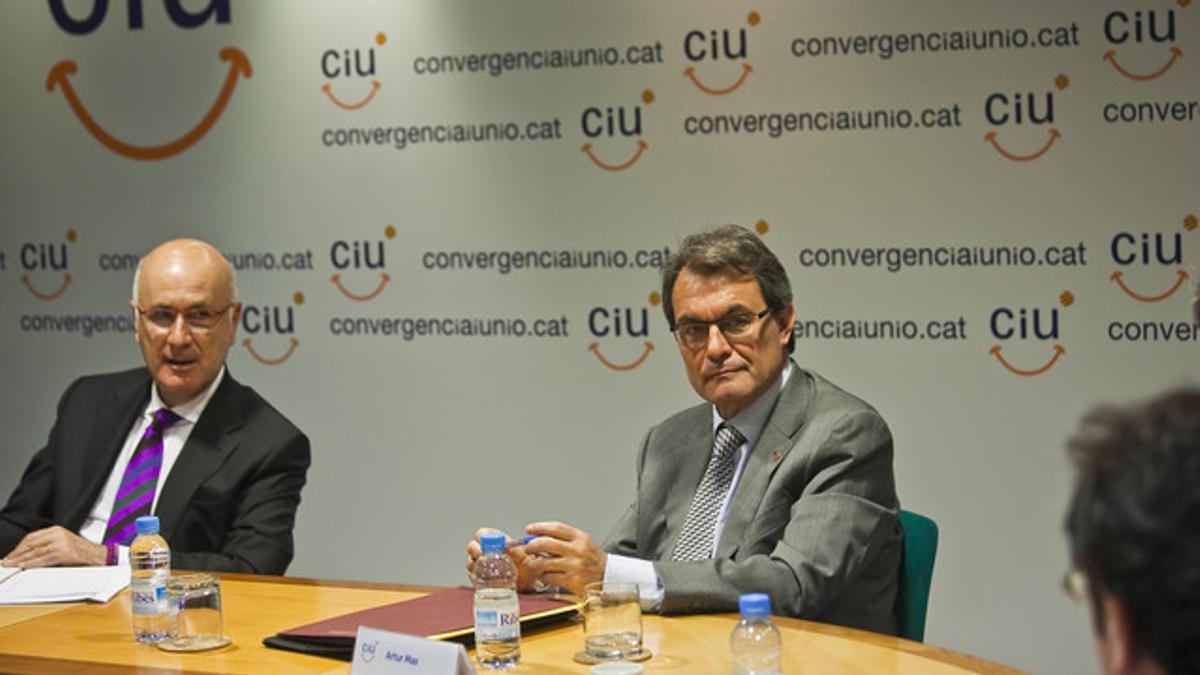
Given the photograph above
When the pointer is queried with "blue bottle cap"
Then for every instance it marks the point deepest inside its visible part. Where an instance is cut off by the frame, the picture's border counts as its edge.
(754, 605)
(147, 525)
(492, 542)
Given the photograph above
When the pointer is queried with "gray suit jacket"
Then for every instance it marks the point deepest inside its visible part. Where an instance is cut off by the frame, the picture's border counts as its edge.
(813, 521)
(228, 504)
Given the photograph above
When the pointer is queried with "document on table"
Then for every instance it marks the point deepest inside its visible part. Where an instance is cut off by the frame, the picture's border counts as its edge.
(61, 584)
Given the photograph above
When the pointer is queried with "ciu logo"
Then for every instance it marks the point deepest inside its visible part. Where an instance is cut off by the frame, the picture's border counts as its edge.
(268, 321)
(192, 16)
(363, 255)
(1023, 110)
(351, 64)
(1150, 250)
(615, 122)
(368, 649)
(46, 259)
(1025, 324)
(616, 322)
(1149, 28)
(716, 47)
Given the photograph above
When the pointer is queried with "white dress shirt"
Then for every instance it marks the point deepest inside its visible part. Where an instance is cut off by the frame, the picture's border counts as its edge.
(749, 423)
(95, 525)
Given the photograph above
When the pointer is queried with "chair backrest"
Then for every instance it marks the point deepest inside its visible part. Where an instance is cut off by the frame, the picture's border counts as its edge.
(916, 573)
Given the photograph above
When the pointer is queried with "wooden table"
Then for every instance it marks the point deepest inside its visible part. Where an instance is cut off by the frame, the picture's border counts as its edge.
(98, 639)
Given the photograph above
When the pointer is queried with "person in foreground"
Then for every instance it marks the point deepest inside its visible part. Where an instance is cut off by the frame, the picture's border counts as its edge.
(780, 483)
(1133, 527)
(179, 438)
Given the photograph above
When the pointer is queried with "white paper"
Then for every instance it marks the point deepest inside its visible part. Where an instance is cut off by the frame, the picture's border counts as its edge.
(379, 651)
(63, 584)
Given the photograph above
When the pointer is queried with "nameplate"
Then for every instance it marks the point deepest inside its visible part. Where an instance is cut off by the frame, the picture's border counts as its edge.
(379, 651)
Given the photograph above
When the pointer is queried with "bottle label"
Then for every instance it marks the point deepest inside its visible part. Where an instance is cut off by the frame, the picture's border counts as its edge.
(491, 624)
(149, 594)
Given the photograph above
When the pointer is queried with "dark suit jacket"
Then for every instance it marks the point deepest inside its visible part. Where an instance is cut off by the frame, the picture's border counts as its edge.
(813, 521)
(228, 504)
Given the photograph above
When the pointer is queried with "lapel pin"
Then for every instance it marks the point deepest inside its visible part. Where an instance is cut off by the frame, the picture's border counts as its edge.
(776, 456)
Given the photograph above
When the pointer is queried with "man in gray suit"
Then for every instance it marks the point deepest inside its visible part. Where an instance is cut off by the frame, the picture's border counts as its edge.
(781, 483)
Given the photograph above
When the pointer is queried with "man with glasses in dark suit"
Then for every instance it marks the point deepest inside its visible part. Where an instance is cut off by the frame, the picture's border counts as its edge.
(178, 438)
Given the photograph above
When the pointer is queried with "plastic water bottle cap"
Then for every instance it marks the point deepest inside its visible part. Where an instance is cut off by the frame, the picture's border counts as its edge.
(755, 605)
(147, 525)
(492, 542)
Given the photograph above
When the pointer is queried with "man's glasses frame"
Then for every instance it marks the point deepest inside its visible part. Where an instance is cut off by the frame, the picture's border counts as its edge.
(736, 327)
(195, 318)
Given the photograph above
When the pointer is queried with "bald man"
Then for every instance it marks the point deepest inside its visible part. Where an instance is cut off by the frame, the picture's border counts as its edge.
(178, 438)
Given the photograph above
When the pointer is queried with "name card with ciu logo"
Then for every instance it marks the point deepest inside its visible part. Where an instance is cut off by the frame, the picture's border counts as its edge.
(377, 652)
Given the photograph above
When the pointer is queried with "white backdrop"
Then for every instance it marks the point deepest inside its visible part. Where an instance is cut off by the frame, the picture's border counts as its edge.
(446, 217)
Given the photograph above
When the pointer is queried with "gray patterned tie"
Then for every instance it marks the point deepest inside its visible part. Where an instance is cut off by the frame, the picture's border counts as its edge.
(696, 540)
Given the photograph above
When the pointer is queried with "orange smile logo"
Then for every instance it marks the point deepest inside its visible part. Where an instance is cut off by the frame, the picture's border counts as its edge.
(345, 255)
(59, 78)
(271, 320)
(46, 257)
(328, 89)
(50, 295)
(1118, 278)
(621, 322)
(351, 65)
(1058, 351)
(1025, 323)
(1111, 57)
(1020, 109)
(1152, 249)
(648, 347)
(690, 73)
(267, 361)
(641, 147)
(361, 297)
(990, 137)
(723, 44)
(615, 122)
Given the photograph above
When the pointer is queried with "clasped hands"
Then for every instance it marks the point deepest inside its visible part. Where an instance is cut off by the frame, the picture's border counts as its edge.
(561, 555)
(53, 546)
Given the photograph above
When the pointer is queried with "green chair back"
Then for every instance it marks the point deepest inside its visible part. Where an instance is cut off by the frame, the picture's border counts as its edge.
(916, 573)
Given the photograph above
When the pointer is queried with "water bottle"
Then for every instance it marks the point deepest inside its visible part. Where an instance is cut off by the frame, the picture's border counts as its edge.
(497, 612)
(755, 644)
(150, 564)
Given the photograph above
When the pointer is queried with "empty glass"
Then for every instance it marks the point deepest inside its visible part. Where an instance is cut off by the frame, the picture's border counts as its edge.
(195, 606)
(612, 621)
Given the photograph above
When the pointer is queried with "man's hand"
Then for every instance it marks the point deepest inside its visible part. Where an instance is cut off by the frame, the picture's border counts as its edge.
(563, 556)
(55, 546)
(525, 577)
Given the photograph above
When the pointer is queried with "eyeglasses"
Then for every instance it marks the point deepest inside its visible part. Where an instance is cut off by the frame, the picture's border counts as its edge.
(736, 327)
(196, 318)
(1075, 585)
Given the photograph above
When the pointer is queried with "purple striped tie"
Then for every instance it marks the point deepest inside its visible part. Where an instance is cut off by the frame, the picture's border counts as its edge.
(141, 476)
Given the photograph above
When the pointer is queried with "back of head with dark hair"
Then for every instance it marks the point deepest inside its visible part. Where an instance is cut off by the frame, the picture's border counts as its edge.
(1134, 521)
(724, 249)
